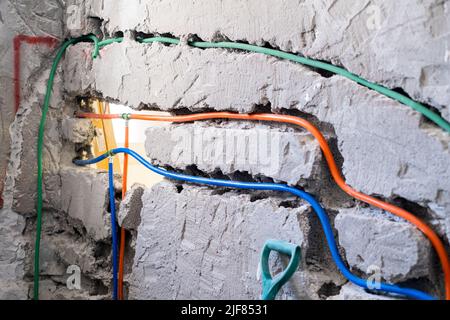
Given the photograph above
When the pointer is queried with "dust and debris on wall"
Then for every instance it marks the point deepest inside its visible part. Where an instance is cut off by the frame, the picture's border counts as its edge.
(373, 78)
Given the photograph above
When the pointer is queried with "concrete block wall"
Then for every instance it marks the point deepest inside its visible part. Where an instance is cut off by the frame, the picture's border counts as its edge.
(384, 147)
(181, 77)
(198, 242)
(346, 34)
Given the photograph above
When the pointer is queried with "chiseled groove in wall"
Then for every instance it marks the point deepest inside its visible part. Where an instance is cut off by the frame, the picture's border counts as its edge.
(326, 128)
(322, 73)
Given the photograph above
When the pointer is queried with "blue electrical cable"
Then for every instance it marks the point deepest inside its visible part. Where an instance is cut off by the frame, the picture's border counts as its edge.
(112, 204)
(383, 287)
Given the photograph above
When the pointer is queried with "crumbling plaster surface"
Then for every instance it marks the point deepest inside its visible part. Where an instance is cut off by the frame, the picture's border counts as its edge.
(372, 239)
(199, 242)
(66, 242)
(373, 38)
(65, 239)
(12, 256)
(129, 215)
(24, 17)
(84, 196)
(18, 134)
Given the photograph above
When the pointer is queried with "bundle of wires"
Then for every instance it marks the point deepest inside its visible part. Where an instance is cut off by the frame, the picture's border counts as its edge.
(383, 287)
(334, 170)
(438, 120)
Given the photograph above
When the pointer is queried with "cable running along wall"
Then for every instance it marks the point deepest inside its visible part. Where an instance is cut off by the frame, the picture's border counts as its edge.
(317, 64)
(412, 293)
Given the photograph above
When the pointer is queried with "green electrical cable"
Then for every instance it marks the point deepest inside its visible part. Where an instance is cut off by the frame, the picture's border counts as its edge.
(437, 119)
(334, 69)
(40, 147)
(199, 44)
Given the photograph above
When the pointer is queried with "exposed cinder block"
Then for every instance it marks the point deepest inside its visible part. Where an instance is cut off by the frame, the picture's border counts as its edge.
(78, 130)
(19, 132)
(348, 33)
(284, 155)
(197, 243)
(350, 291)
(202, 243)
(385, 155)
(376, 242)
(85, 197)
(129, 215)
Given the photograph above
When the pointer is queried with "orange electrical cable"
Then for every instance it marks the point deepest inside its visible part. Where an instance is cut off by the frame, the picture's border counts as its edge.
(122, 230)
(335, 173)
